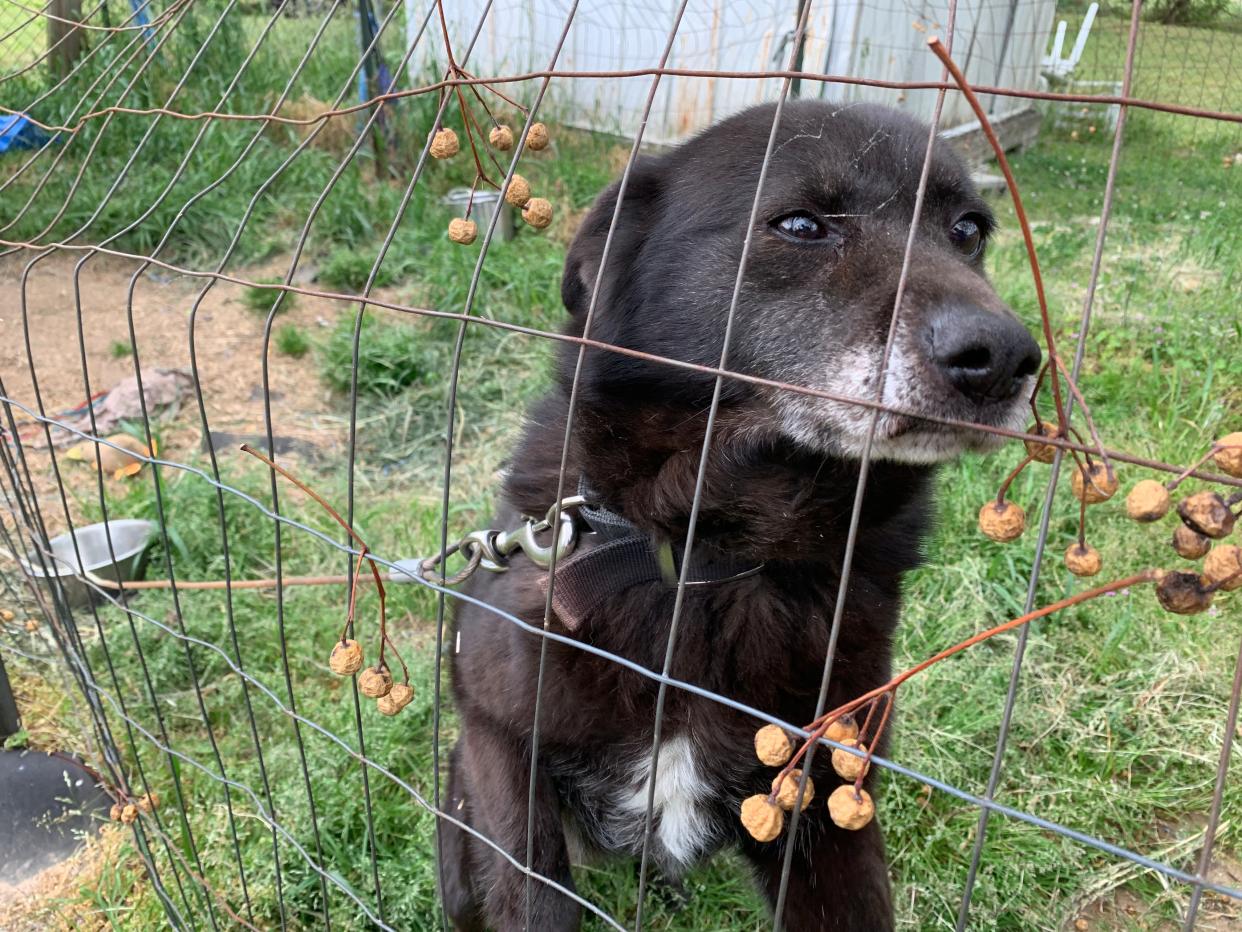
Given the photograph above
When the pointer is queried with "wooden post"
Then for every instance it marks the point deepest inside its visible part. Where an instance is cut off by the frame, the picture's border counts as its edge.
(64, 40)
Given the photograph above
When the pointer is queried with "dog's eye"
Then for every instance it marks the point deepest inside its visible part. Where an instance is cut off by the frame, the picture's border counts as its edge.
(800, 226)
(967, 236)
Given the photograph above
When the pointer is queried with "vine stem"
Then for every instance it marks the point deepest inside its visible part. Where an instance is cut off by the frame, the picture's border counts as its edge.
(1004, 486)
(1086, 414)
(938, 49)
(1212, 451)
(362, 544)
(818, 728)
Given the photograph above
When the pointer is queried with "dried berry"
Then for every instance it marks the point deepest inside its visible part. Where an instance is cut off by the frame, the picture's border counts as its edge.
(374, 682)
(1223, 567)
(537, 212)
(1093, 483)
(762, 817)
(148, 802)
(1207, 513)
(849, 808)
(115, 812)
(397, 699)
(1229, 460)
(444, 144)
(346, 659)
(1082, 559)
(32, 624)
(843, 729)
(772, 746)
(129, 814)
(1183, 593)
(849, 766)
(519, 191)
(1189, 543)
(501, 137)
(537, 137)
(1002, 521)
(787, 795)
(1147, 501)
(462, 231)
(1041, 452)
(6, 615)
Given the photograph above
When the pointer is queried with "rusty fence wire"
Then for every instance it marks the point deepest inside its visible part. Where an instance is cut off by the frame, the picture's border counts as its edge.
(182, 112)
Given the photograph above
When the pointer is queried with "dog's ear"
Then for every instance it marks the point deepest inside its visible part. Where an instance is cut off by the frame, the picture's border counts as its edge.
(638, 215)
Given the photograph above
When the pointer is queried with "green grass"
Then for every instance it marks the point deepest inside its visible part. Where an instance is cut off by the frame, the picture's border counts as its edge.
(260, 300)
(1120, 707)
(120, 349)
(28, 39)
(291, 340)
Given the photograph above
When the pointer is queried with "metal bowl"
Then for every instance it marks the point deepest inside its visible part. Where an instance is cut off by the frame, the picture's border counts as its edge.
(130, 540)
(485, 203)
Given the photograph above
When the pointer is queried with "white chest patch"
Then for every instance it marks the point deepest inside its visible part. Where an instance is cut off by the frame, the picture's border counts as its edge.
(681, 826)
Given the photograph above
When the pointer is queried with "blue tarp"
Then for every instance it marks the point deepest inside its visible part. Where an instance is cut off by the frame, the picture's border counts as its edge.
(17, 132)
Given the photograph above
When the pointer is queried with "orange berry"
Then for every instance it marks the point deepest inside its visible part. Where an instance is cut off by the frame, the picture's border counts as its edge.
(537, 138)
(1147, 501)
(1093, 484)
(772, 746)
(849, 808)
(397, 699)
(461, 230)
(1002, 521)
(374, 682)
(444, 144)
(787, 794)
(346, 658)
(850, 766)
(762, 817)
(1082, 559)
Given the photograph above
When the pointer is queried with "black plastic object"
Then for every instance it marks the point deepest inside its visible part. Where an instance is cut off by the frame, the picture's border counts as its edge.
(48, 804)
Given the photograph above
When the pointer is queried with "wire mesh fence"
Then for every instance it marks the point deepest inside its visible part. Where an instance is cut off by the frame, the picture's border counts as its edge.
(223, 224)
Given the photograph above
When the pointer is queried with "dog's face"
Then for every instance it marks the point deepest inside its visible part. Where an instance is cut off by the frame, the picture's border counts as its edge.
(821, 280)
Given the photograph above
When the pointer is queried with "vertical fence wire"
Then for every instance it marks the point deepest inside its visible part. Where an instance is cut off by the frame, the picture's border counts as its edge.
(701, 473)
(451, 410)
(1011, 694)
(575, 385)
(269, 429)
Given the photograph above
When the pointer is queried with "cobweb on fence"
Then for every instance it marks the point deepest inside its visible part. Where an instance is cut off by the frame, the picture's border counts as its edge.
(179, 179)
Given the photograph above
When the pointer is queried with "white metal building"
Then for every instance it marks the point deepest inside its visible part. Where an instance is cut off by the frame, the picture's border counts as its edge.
(998, 42)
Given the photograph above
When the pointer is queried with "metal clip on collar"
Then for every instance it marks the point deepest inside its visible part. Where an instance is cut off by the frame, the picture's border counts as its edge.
(497, 546)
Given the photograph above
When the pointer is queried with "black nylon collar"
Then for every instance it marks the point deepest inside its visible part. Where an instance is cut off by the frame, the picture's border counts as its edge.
(614, 555)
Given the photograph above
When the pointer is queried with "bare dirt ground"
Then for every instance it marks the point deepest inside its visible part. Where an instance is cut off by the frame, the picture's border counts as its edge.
(228, 343)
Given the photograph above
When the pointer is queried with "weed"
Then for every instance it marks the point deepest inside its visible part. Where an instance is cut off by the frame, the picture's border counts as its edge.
(348, 270)
(120, 349)
(260, 300)
(291, 340)
(391, 356)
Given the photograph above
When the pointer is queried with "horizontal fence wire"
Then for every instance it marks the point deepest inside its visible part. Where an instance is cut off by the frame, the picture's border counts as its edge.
(143, 739)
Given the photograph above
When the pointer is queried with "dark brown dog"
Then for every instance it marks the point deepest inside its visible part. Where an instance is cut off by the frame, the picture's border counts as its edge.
(814, 309)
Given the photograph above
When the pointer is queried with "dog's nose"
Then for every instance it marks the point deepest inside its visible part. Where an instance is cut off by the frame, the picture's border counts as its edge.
(985, 356)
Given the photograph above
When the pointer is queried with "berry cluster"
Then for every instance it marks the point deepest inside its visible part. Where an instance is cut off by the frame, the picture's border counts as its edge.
(1206, 516)
(376, 681)
(127, 811)
(536, 211)
(849, 805)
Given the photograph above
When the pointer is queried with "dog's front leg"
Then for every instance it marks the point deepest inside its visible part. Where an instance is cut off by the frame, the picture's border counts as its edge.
(838, 881)
(498, 777)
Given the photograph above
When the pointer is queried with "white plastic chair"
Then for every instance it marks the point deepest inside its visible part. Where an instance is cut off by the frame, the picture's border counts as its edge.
(1053, 65)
